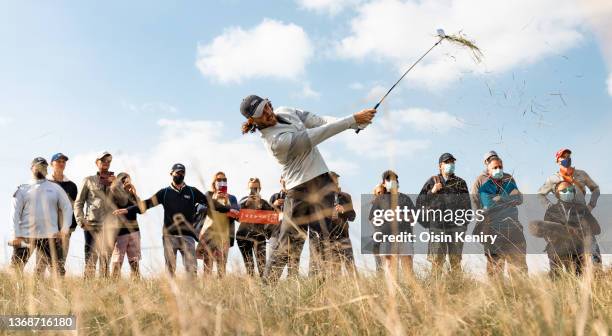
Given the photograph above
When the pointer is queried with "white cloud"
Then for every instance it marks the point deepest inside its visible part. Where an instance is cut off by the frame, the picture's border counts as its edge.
(384, 137)
(376, 92)
(510, 33)
(422, 120)
(270, 49)
(598, 14)
(5, 121)
(356, 86)
(308, 92)
(152, 108)
(331, 7)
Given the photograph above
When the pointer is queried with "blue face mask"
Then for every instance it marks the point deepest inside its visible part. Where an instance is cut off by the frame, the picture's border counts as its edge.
(497, 173)
(449, 168)
(566, 162)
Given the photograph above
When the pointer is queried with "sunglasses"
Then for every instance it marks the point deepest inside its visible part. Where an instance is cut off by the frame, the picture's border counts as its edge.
(106, 160)
(221, 179)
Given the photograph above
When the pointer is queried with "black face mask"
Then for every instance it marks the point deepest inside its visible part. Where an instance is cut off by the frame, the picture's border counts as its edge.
(40, 175)
(178, 179)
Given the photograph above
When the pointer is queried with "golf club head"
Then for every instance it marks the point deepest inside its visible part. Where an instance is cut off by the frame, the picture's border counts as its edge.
(441, 33)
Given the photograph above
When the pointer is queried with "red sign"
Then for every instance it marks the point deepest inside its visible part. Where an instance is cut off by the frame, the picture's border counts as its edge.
(258, 216)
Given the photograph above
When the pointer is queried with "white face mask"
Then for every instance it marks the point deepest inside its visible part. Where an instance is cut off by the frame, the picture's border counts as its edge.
(390, 185)
(497, 173)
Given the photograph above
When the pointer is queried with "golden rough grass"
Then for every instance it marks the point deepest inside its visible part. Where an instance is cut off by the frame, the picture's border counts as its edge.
(369, 305)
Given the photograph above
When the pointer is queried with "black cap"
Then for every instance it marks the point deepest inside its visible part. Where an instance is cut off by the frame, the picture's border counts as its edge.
(178, 167)
(388, 173)
(252, 106)
(39, 161)
(445, 157)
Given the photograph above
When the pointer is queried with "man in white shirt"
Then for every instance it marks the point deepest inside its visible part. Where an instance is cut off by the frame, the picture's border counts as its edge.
(292, 136)
(35, 213)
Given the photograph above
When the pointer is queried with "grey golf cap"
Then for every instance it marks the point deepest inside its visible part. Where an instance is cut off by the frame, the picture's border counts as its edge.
(252, 106)
(39, 161)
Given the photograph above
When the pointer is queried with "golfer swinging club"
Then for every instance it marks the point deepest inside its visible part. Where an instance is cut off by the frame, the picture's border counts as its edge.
(292, 136)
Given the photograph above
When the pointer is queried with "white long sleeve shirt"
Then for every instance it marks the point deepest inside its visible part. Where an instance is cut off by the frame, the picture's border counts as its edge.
(293, 142)
(36, 210)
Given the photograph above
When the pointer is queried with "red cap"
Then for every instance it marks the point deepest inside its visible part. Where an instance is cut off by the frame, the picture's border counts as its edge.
(562, 151)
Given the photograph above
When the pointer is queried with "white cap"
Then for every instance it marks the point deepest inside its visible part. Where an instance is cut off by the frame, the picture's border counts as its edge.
(101, 155)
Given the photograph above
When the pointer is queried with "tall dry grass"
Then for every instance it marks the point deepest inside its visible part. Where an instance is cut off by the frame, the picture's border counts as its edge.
(369, 305)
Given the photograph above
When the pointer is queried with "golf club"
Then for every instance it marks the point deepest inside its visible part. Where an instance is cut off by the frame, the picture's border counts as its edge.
(440, 33)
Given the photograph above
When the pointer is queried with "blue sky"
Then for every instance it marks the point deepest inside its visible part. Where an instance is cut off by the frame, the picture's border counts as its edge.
(80, 78)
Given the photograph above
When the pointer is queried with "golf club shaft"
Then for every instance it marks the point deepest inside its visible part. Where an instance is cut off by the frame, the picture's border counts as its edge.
(404, 75)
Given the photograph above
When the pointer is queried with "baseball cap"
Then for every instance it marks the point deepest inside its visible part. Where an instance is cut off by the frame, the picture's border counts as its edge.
(39, 161)
(489, 155)
(177, 167)
(445, 157)
(562, 151)
(252, 106)
(102, 155)
(59, 156)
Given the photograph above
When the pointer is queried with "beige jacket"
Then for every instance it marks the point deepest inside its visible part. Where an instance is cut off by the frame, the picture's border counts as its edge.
(581, 178)
(98, 199)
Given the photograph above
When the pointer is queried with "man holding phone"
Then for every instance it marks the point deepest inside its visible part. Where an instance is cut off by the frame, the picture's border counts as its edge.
(97, 222)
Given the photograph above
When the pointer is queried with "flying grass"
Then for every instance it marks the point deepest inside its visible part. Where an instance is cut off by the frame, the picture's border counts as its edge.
(461, 40)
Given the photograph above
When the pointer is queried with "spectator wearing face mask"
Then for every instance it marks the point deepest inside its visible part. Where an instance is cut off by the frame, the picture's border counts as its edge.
(396, 254)
(568, 228)
(179, 201)
(581, 181)
(41, 214)
(124, 195)
(251, 238)
(218, 231)
(445, 191)
(496, 192)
